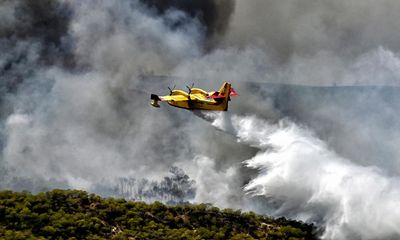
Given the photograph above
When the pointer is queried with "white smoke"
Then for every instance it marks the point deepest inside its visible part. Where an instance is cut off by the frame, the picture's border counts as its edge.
(214, 186)
(346, 28)
(82, 124)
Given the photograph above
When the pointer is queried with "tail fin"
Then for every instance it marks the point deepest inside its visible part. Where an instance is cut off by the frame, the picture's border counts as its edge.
(222, 90)
(223, 96)
(225, 91)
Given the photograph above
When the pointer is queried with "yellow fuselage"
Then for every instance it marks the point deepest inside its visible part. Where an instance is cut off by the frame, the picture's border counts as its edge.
(197, 100)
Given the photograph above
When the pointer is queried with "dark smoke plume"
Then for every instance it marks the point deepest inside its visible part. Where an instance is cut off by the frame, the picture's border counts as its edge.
(44, 22)
(33, 34)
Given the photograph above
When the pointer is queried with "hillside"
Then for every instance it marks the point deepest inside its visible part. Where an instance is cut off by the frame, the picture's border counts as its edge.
(72, 214)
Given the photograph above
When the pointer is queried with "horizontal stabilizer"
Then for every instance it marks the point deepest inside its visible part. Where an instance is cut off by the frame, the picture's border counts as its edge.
(233, 93)
(217, 95)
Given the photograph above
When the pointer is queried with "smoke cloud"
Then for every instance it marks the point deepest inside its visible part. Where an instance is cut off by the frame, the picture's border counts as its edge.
(313, 135)
(347, 28)
(214, 15)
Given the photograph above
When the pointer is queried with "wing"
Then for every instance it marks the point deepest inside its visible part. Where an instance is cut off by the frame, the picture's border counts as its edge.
(198, 96)
(175, 98)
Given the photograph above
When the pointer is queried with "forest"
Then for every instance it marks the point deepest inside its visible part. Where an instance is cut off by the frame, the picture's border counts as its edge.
(73, 214)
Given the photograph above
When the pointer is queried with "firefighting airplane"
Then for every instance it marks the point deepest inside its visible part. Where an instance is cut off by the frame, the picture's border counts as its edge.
(197, 99)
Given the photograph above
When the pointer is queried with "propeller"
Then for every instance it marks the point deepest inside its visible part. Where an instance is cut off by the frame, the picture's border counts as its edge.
(170, 90)
(190, 88)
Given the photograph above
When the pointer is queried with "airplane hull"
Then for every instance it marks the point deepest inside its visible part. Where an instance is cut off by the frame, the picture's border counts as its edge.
(199, 105)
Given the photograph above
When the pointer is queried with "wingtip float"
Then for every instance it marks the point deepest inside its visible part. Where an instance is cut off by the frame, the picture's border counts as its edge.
(197, 99)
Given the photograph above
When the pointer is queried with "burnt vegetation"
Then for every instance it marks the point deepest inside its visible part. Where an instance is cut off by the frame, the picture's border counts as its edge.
(72, 214)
